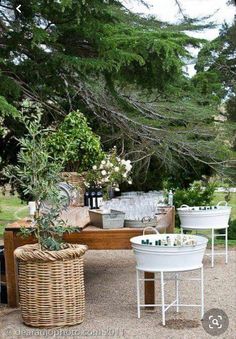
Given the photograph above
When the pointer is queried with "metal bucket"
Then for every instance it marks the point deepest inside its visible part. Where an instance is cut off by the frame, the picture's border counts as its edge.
(204, 217)
(152, 258)
(145, 222)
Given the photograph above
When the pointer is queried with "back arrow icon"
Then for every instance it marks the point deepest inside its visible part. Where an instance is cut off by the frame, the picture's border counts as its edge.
(18, 8)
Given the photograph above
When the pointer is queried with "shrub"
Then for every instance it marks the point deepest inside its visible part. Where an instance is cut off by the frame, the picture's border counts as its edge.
(198, 194)
(75, 143)
(232, 230)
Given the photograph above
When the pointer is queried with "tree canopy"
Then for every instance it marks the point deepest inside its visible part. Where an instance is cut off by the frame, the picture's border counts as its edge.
(122, 70)
(218, 59)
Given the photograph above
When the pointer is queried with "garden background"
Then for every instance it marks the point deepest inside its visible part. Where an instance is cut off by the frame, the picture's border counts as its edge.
(100, 75)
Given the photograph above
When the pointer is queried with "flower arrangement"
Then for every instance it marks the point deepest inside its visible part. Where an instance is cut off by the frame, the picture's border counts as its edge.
(110, 172)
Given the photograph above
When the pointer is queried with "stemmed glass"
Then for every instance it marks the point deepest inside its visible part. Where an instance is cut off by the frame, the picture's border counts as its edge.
(136, 207)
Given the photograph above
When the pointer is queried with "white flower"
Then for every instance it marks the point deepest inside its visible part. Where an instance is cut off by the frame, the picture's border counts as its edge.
(117, 189)
(101, 167)
(106, 179)
(116, 169)
(94, 167)
(127, 164)
(130, 182)
(124, 175)
(103, 162)
(104, 172)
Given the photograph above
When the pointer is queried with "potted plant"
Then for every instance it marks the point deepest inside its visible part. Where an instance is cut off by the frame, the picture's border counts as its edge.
(50, 272)
(108, 173)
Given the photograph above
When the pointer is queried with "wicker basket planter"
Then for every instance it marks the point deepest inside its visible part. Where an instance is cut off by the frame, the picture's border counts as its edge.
(51, 285)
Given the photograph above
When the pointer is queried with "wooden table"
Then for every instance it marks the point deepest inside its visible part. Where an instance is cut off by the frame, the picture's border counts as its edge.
(95, 238)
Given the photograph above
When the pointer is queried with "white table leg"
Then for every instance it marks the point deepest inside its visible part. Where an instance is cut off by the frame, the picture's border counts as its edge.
(226, 245)
(212, 246)
(177, 291)
(202, 293)
(138, 293)
(163, 299)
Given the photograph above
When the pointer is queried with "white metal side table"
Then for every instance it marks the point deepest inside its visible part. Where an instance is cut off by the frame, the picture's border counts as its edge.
(213, 236)
(176, 303)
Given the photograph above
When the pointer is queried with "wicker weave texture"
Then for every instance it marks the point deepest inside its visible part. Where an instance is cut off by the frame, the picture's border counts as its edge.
(72, 178)
(52, 293)
(76, 180)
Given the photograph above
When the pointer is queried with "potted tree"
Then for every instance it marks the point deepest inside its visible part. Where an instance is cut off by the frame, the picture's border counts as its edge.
(50, 272)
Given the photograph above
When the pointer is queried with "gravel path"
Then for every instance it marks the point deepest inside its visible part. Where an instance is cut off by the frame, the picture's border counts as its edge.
(111, 303)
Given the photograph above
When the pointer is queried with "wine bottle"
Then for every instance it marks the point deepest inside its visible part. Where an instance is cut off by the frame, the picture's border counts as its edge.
(86, 198)
(170, 198)
(93, 198)
(99, 197)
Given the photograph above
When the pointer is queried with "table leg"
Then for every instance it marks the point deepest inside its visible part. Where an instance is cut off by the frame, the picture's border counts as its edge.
(163, 299)
(138, 293)
(212, 246)
(10, 268)
(202, 294)
(177, 291)
(171, 226)
(226, 245)
(149, 290)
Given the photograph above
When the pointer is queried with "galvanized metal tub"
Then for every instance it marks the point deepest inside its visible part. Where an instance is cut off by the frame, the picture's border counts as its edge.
(150, 222)
(151, 258)
(204, 217)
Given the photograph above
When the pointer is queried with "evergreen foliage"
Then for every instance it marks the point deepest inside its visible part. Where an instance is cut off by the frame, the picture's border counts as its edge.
(217, 65)
(122, 70)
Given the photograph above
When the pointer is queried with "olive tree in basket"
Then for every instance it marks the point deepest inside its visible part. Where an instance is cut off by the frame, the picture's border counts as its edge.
(50, 272)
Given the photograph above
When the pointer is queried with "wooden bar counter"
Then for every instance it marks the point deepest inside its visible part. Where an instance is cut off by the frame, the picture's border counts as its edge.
(95, 238)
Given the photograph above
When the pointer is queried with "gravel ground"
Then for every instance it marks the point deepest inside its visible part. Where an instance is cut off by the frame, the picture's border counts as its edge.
(111, 303)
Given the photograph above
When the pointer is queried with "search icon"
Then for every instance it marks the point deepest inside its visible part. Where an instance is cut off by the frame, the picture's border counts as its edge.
(215, 322)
